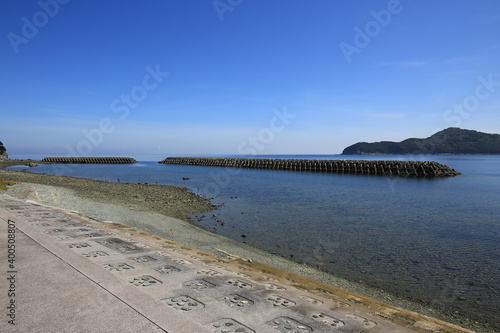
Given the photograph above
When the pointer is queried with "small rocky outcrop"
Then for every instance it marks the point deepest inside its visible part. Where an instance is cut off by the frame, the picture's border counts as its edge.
(3, 153)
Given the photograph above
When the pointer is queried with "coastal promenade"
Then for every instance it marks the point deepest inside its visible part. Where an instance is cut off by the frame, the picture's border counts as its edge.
(62, 272)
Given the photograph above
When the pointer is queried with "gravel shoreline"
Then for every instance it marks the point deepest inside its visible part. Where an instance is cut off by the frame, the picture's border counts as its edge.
(167, 200)
(165, 211)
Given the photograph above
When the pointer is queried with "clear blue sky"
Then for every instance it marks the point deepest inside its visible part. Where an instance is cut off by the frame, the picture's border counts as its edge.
(244, 76)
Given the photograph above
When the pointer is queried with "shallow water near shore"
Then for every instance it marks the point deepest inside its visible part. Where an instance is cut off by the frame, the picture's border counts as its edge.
(431, 240)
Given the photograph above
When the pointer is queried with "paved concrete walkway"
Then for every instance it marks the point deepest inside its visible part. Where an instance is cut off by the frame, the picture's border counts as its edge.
(66, 273)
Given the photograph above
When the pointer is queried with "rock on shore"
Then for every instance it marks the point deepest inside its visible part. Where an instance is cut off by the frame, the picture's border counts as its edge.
(3, 152)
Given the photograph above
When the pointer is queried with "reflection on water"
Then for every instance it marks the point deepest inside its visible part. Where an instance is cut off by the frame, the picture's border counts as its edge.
(435, 241)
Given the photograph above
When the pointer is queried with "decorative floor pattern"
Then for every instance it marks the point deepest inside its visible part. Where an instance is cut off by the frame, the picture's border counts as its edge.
(224, 294)
(286, 325)
(184, 303)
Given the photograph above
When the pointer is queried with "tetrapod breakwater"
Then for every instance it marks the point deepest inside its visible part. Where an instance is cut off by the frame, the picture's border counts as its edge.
(365, 167)
(89, 160)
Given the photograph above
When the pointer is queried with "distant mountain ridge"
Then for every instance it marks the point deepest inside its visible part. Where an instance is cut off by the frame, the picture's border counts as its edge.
(452, 140)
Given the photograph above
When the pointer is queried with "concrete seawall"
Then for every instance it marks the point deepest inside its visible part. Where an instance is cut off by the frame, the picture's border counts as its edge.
(89, 160)
(395, 168)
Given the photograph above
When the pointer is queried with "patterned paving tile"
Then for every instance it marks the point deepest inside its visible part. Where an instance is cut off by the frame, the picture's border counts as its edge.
(286, 325)
(78, 245)
(119, 245)
(45, 224)
(277, 300)
(328, 320)
(184, 303)
(82, 230)
(199, 284)
(244, 275)
(272, 286)
(229, 326)
(162, 253)
(167, 269)
(94, 234)
(239, 284)
(95, 254)
(62, 237)
(208, 272)
(118, 267)
(145, 281)
(216, 266)
(52, 231)
(235, 300)
(183, 261)
(142, 259)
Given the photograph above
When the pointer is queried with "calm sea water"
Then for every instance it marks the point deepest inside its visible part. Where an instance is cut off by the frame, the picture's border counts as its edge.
(436, 241)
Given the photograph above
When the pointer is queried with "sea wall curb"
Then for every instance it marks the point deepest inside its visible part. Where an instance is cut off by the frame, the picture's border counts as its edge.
(89, 160)
(365, 167)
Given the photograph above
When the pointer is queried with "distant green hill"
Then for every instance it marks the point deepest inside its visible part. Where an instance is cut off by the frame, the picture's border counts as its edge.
(452, 140)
